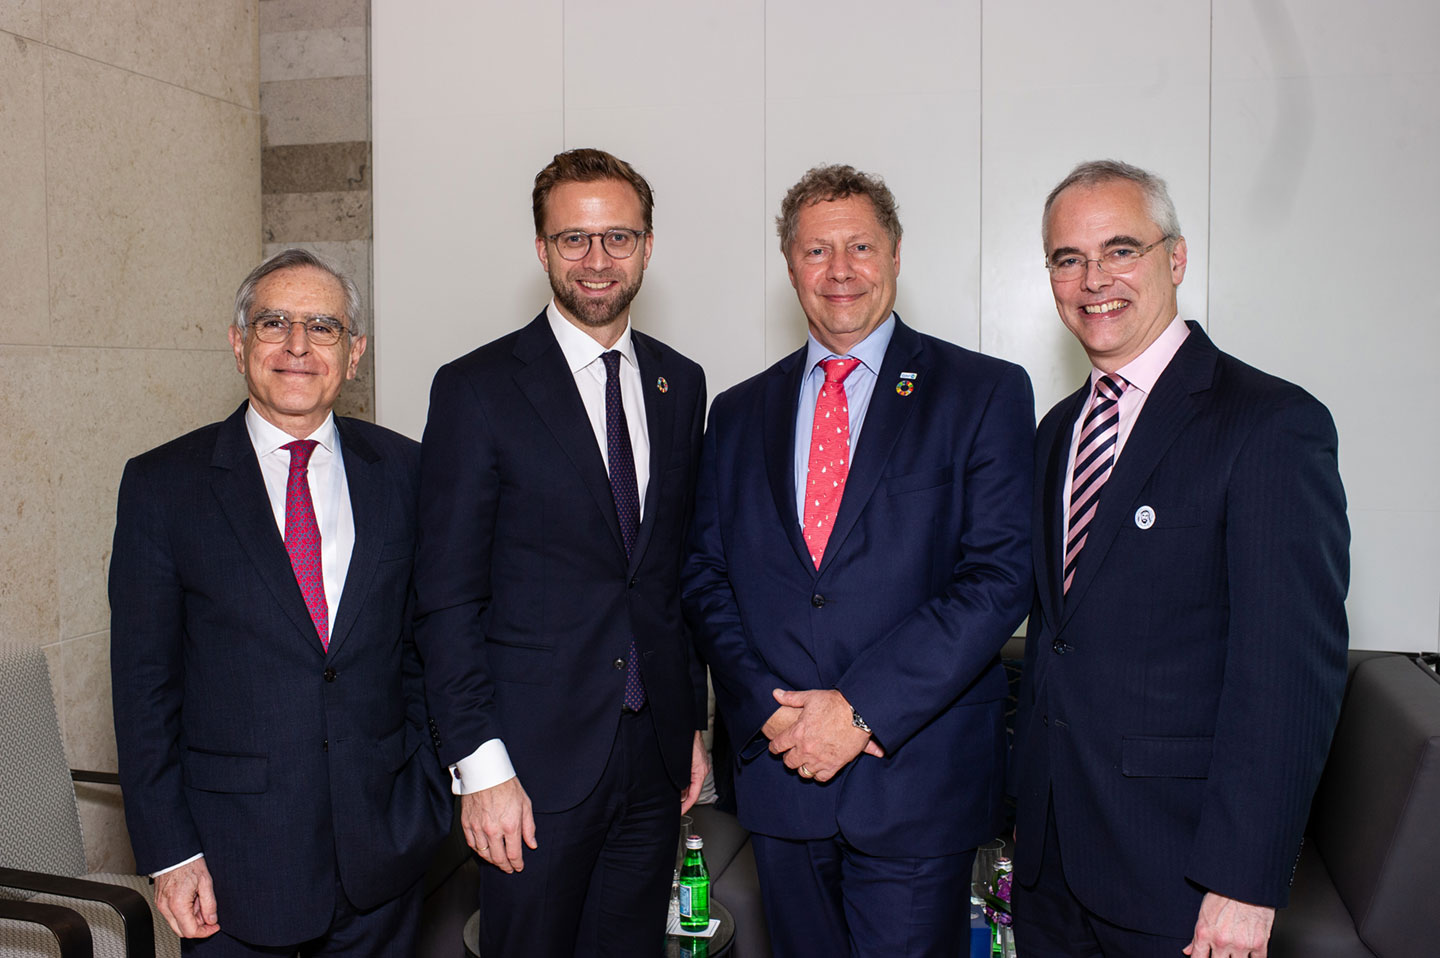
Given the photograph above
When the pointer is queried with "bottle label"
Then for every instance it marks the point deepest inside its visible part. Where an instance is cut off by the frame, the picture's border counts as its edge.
(686, 907)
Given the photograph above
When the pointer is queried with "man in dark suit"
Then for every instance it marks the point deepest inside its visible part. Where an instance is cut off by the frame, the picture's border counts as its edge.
(556, 484)
(1186, 652)
(279, 780)
(852, 615)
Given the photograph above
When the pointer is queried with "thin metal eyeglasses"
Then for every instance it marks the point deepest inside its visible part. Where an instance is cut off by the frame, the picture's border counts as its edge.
(274, 328)
(618, 243)
(1116, 261)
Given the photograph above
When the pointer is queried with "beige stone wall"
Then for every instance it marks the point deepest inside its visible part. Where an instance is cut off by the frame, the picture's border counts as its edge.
(129, 184)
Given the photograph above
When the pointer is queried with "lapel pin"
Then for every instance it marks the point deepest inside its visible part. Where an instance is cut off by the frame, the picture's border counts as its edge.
(662, 385)
(905, 387)
(1144, 517)
(908, 376)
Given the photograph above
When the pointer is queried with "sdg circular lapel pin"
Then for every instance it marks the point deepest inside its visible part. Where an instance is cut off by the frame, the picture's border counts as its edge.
(906, 385)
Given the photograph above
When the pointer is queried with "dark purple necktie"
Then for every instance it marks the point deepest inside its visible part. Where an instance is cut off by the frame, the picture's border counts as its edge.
(627, 500)
(302, 537)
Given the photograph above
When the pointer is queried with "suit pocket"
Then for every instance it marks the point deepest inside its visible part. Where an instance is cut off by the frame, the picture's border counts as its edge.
(1156, 757)
(919, 481)
(226, 772)
(526, 664)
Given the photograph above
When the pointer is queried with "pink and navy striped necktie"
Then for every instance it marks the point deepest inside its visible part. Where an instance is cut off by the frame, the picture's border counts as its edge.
(1094, 460)
(302, 537)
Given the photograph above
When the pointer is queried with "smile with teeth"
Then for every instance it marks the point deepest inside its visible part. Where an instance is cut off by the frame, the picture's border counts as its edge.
(1111, 306)
(604, 285)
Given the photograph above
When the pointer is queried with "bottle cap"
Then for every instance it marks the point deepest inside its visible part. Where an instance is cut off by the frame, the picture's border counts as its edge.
(694, 841)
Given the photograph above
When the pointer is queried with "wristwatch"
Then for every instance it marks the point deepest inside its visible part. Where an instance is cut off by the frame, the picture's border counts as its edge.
(859, 722)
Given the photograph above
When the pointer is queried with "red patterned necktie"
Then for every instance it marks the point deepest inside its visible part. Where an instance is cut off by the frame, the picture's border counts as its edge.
(302, 537)
(829, 456)
(1094, 460)
(625, 489)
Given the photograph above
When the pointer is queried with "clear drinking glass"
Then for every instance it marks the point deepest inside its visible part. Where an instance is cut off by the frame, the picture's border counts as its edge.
(982, 876)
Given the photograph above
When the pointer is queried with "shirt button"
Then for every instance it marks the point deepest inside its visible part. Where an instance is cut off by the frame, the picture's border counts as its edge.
(618, 664)
(329, 675)
(817, 600)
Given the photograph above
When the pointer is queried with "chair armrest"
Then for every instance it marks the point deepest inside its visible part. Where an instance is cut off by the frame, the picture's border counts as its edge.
(130, 905)
(98, 778)
(71, 932)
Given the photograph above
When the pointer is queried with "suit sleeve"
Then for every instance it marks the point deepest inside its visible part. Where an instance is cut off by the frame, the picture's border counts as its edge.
(699, 675)
(929, 657)
(742, 681)
(147, 626)
(459, 494)
(1288, 568)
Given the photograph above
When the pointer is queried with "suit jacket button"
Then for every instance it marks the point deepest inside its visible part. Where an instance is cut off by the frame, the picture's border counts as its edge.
(1060, 647)
(329, 675)
(633, 581)
(618, 664)
(817, 600)
(1045, 721)
(325, 745)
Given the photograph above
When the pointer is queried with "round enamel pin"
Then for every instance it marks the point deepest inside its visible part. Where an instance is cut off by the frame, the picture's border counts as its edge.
(662, 385)
(1144, 517)
(904, 387)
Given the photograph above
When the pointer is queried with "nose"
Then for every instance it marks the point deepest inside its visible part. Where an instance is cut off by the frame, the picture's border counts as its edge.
(1095, 277)
(296, 343)
(595, 257)
(840, 269)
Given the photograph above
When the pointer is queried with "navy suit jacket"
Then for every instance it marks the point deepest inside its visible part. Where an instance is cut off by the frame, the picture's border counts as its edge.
(526, 602)
(924, 577)
(1178, 702)
(239, 736)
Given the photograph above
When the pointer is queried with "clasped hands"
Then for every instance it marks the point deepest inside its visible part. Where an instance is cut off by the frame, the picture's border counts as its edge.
(814, 731)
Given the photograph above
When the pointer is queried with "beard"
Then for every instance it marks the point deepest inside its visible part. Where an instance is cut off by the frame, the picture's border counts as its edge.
(591, 311)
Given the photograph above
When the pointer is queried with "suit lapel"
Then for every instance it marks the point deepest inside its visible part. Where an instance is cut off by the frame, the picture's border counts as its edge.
(1166, 412)
(884, 421)
(660, 426)
(782, 396)
(364, 475)
(240, 489)
(546, 381)
(1048, 578)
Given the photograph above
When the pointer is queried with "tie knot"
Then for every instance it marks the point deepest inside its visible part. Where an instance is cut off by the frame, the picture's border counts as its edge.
(300, 451)
(1110, 386)
(612, 362)
(837, 369)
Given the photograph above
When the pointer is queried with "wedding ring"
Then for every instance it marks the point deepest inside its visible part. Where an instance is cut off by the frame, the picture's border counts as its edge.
(805, 772)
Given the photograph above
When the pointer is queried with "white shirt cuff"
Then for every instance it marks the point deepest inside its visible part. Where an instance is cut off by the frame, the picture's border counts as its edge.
(192, 858)
(486, 767)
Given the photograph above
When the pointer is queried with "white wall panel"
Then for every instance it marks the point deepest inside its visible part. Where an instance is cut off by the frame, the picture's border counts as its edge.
(1114, 80)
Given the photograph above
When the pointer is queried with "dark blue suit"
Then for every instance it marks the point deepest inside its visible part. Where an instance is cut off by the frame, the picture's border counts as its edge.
(526, 601)
(924, 577)
(290, 768)
(1177, 704)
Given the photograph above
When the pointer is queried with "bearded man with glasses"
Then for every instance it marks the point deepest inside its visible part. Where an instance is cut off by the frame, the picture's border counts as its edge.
(1185, 656)
(556, 484)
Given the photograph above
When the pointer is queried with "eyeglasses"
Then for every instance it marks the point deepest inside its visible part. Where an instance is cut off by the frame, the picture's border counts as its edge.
(618, 244)
(1115, 261)
(274, 327)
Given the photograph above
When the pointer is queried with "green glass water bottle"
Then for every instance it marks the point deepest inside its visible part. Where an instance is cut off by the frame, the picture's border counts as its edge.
(694, 887)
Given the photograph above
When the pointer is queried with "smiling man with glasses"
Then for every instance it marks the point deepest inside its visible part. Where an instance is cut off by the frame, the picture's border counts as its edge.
(557, 474)
(1185, 655)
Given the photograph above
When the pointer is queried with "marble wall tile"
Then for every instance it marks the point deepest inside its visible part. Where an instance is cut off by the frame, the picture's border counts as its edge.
(24, 310)
(277, 16)
(102, 822)
(206, 47)
(23, 17)
(307, 54)
(315, 168)
(322, 110)
(113, 404)
(84, 694)
(154, 212)
(29, 610)
(307, 217)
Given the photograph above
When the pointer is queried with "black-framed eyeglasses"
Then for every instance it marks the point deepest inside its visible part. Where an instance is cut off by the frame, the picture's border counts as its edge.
(1116, 261)
(274, 327)
(617, 243)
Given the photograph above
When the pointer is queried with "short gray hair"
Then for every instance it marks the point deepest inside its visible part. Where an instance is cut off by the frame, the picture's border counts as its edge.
(291, 259)
(1096, 172)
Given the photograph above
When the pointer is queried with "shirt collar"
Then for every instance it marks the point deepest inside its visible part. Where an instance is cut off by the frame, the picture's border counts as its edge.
(870, 350)
(267, 437)
(1144, 370)
(580, 348)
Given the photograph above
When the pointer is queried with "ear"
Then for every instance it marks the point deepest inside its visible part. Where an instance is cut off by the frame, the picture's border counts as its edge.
(357, 349)
(649, 247)
(542, 251)
(897, 257)
(1177, 261)
(237, 343)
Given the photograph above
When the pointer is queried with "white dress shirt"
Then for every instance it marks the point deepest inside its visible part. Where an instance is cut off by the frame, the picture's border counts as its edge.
(489, 765)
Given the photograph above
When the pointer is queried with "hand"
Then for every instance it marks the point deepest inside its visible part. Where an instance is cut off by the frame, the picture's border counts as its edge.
(1228, 928)
(699, 768)
(185, 897)
(824, 739)
(780, 721)
(496, 820)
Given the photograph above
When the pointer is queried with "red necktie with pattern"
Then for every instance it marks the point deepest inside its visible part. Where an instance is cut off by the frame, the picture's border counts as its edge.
(1094, 460)
(829, 456)
(302, 537)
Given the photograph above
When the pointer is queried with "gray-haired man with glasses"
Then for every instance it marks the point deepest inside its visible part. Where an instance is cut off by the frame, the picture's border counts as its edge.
(1185, 655)
(556, 483)
(280, 781)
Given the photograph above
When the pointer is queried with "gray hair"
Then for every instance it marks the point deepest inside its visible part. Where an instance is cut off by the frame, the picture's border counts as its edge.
(822, 184)
(1096, 172)
(290, 259)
